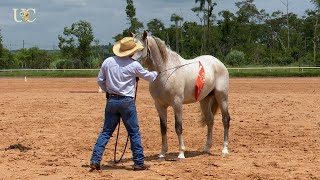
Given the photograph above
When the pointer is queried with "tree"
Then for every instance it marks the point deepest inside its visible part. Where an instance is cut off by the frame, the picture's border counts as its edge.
(316, 27)
(311, 30)
(316, 3)
(135, 25)
(33, 58)
(97, 55)
(192, 41)
(208, 14)
(157, 28)
(226, 26)
(288, 26)
(248, 12)
(7, 60)
(1, 46)
(246, 26)
(296, 33)
(176, 19)
(75, 43)
(6, 57)
(198, 10)
(39, 58)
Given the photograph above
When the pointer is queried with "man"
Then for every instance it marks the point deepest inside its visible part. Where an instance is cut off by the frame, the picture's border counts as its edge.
(117, 78)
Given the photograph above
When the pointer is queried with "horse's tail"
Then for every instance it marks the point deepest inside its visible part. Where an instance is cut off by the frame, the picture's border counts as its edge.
(214, 108)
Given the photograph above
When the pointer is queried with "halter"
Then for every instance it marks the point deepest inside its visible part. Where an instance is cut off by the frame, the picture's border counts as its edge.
(145, 57)
(148, 54)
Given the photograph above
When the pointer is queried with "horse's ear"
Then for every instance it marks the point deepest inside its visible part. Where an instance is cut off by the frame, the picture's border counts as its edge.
(145, 34)
(131, 34)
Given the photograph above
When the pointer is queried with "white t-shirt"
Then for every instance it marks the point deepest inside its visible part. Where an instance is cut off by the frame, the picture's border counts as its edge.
(118, 75)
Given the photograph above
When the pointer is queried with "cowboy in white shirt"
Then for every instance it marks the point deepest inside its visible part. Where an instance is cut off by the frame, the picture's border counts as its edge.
(117, 77)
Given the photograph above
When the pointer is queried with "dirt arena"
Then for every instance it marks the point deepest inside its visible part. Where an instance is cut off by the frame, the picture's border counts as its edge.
(274, 133)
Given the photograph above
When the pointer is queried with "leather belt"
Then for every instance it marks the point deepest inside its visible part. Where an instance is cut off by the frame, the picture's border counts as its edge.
(118, 96)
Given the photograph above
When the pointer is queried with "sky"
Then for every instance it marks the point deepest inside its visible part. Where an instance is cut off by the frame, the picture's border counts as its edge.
(107, 17)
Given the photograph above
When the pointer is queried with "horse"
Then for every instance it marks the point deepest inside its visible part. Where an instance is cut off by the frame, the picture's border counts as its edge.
(175, 86)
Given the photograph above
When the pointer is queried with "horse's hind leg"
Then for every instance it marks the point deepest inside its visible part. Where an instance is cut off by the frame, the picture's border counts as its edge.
(208, 118)
(222, 99)
(162, 112)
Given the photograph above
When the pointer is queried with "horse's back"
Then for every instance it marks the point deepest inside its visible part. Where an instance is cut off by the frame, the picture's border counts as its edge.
(209, 60)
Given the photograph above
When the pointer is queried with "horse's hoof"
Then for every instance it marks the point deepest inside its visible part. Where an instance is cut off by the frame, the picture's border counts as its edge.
(206, 150)
(181, 156)
(161, 157)
(225, 152)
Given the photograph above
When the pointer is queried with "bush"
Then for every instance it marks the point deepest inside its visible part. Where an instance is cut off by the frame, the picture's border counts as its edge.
(7, 60)
(61, 64)
(94, 63)
(284, 60)
(291, 56)
(235, 58)
(306, 60)
(266, 61)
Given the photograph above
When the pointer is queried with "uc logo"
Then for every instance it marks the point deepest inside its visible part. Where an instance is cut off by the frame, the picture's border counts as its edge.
(24, 15)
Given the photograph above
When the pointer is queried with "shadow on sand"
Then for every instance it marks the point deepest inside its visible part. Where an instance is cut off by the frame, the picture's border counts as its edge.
(170, 157)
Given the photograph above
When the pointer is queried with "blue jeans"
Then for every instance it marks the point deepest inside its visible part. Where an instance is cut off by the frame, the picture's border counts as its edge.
(125, 108)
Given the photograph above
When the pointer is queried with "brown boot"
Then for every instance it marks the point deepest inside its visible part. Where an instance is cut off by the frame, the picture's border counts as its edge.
(141, 167)
(94, 166)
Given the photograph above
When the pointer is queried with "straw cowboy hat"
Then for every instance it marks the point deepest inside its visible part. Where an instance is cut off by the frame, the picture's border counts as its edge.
(126, 47)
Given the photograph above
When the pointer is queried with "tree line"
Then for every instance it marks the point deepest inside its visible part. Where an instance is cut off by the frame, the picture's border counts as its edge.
(249, 36)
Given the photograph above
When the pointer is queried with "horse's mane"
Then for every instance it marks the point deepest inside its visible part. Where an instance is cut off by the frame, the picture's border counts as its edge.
(162, 48)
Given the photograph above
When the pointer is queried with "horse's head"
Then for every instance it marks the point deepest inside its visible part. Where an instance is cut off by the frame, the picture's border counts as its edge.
(154, 53)
(143, 55)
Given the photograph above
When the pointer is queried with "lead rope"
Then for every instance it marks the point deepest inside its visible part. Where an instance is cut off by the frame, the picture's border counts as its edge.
(125, 147)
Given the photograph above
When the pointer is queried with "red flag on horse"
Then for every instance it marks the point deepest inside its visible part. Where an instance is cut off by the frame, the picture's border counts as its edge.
(200, 80)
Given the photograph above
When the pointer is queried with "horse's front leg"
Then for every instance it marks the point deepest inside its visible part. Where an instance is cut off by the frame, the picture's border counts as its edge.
(162, 112)
(178, 127)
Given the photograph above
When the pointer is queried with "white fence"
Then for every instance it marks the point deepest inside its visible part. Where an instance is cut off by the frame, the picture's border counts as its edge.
(237, 69)
(274, 68)
(37, 70)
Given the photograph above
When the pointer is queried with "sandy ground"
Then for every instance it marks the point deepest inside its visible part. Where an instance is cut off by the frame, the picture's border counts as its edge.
(274, 133)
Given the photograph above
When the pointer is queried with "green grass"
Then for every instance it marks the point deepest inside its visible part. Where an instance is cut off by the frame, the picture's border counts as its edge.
(275, 73)
(233, 73)
(71, 73)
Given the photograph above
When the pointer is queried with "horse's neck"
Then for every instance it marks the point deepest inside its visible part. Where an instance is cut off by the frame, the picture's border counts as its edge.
(173, 60)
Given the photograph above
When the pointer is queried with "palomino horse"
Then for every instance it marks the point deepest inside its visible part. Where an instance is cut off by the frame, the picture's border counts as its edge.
(176, 85)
